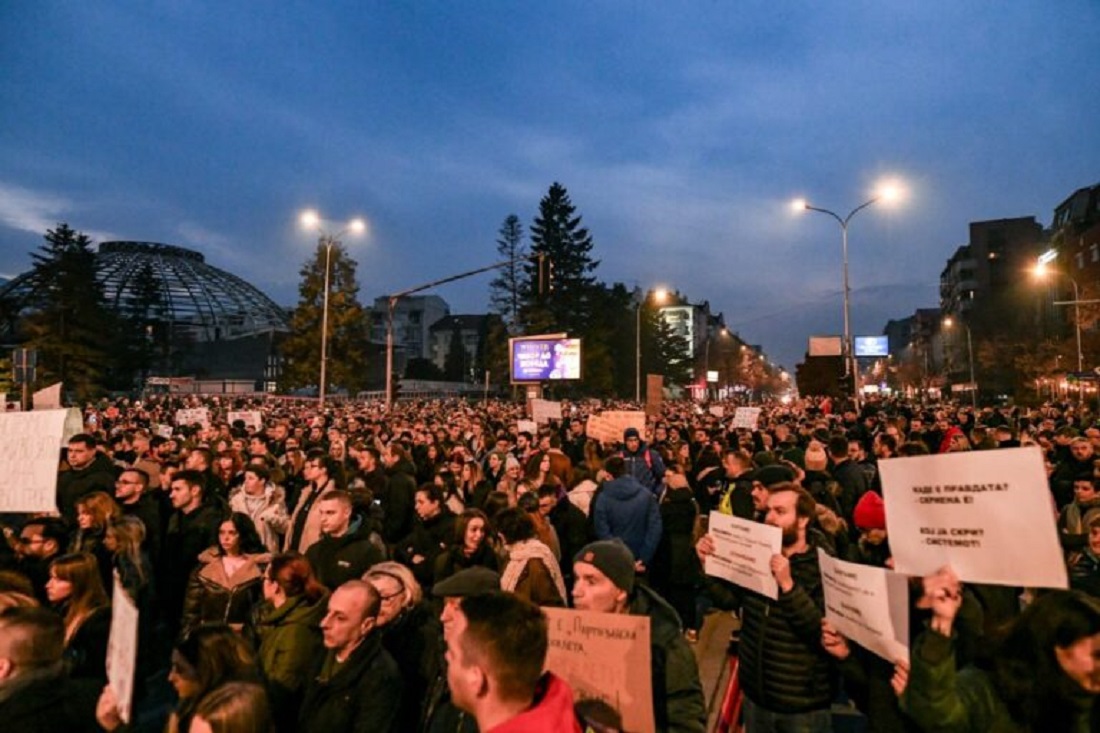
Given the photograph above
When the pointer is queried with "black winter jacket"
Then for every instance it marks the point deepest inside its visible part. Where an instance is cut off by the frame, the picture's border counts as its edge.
(363, 696)
(783, 666)
(336, 560)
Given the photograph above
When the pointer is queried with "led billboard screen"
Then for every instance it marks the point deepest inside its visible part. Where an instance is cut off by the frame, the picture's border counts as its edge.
(872, 346)
(545, 359)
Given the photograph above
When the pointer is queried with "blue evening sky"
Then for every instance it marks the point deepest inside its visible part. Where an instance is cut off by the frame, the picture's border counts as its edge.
(681, 130)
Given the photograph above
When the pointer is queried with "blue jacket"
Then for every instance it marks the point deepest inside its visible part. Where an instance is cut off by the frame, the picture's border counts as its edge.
(649, 473)
(627, 510)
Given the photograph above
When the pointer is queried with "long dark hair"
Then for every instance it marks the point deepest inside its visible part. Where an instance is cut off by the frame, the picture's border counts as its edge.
(1023, 665)
(216, 655)
(248, 539)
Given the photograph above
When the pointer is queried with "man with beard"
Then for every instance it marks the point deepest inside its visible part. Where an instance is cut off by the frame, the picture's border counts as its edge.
(784, 670)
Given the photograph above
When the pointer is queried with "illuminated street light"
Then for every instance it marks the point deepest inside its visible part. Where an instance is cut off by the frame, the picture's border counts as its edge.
(1041, 270)
(658, 296)
(310, 219)
(948, 322)
(887, 192)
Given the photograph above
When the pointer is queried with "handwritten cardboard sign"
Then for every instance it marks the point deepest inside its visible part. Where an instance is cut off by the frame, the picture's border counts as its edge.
(29, 458)
(987, 514)
(743, 553)
(251, 418)
(746, 417)
(543, 411)
(193, 415)
(868, 605)
(608, 427)
(605, 657)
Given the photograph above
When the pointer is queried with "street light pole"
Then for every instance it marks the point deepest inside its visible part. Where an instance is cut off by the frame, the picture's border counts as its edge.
(312, 220)
(658, 296)
(1040, 270)
(949, 322)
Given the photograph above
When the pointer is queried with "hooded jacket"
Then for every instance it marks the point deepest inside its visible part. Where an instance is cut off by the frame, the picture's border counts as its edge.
(551, 710)
(289, 640)
(270, 517)
(627, 510)
(678, 704)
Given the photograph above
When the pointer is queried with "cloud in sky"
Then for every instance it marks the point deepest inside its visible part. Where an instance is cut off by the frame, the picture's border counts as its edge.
(681, 132)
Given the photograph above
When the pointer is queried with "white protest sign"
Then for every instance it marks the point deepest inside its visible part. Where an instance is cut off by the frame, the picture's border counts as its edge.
(527, 426)
(743, 553)
(251, 418)
(717, 410)
(74, 424)
(193, 415)
(48, 398)
(543, 411)
(28, 460)
(987, 514)
(164, 431)
(608, 427)
(868, 605)
(122, 649)
(746, 417)
(605, 657)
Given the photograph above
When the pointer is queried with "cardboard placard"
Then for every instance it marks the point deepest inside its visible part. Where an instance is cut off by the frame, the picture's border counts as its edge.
(29, 458)
(251, 418)
(608, 427)
(190, 416)
(48, 398)
(543, 411)
(746, 417)
(527, 426)
(605, 657)
(987, 514)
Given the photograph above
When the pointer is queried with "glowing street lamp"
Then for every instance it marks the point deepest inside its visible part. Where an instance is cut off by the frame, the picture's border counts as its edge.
(310, 219)
(658, 296)
(887, 192)
(1040, 271)
(948, 322)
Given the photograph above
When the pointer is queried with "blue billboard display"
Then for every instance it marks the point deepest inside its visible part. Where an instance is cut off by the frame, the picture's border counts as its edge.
(870, 346)
(543, 360)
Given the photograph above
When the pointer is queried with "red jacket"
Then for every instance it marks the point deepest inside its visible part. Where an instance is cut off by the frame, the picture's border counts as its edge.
(551, 712)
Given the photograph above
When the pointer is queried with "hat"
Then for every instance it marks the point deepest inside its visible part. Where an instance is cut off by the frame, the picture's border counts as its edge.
(475, 581)
(870, 512)
(631, 433)
(612, 558)
(771, 475)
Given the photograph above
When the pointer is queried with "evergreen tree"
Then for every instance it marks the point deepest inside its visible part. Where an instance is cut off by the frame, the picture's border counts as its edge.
(454, 364)
(492, 351)
(566, 304)
(70, 325)
(663, 351)
(142, 337)
(505, 290)
(347, 325)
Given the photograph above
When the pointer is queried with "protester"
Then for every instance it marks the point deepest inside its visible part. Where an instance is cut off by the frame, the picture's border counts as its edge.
(235, 707)
(626, 509)
(88, 470)
(605, 582)
(431, 534)
(227, 584)
(76, 592)
(472, 546)
(264, 503)
(531, 572)
(495, 660)
(192, 528)
(287, 624)
(355, 683)
(346, 549)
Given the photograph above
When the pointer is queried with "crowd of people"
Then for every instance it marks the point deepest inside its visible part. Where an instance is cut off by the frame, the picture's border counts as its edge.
(360, 569)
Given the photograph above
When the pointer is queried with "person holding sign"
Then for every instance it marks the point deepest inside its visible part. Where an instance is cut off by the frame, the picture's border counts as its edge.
(784, 671)
(1042, 674)
(604, 581)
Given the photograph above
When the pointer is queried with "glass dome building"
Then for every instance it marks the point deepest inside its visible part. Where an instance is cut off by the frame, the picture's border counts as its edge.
(199, 301)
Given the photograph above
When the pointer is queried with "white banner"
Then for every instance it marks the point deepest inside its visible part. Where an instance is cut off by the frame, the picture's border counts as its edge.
(743, 553)
(48, 398)
(868, 605)
(988, 514)
(28, 460)
(746, 417)
(543, 411)
(193, 415)
(74, 424)
(527, 426)
(717, 410)
(164, 431)
(251, 419)
(122, 649)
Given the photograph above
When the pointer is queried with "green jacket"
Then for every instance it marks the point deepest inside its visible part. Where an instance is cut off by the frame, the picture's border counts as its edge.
(290, 637)
(678, 703)
(939, 698)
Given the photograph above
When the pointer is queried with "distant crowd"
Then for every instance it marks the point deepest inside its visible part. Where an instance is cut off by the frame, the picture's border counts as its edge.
(358, 569)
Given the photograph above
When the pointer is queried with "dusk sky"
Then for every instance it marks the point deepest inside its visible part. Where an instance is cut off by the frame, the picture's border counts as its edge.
(682, 130)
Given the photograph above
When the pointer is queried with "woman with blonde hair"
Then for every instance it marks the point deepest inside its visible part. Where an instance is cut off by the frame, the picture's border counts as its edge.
(409, 633)
(76, 592)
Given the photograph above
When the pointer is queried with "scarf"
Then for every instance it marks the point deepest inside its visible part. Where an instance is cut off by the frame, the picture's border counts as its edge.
(519, 554)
